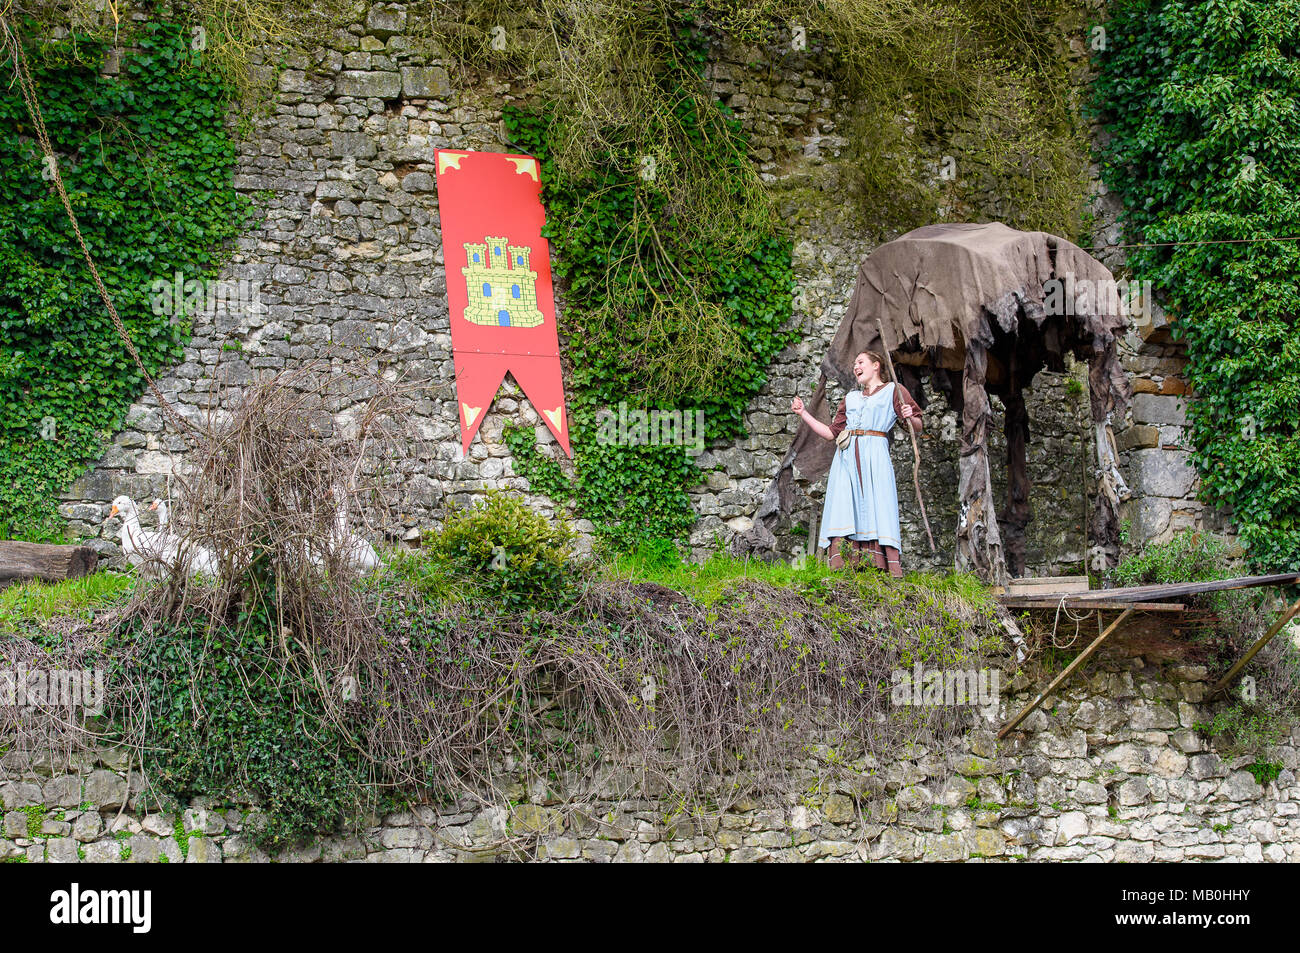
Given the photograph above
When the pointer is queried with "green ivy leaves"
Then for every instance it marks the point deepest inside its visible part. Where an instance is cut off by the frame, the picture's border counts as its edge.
(147, 164)
(1202, 101)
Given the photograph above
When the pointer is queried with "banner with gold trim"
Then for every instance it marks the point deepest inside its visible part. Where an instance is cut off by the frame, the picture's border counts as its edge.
(499, 291)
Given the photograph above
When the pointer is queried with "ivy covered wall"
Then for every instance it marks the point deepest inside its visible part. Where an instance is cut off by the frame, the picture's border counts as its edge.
(1199, 98)
(145, 156)
(725, 306)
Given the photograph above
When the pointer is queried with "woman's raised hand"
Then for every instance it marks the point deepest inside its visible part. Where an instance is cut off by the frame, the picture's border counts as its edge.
(797, 405)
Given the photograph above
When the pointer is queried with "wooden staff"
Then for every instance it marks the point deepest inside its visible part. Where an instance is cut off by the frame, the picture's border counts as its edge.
(916, 447)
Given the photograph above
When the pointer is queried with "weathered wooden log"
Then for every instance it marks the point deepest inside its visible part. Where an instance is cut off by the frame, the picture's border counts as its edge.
(20, 561)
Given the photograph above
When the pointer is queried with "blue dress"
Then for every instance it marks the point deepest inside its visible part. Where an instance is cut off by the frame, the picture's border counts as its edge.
(861, 495)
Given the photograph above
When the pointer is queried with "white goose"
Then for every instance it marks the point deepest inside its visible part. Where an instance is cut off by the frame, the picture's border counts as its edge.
(141, 548)
(354, 549)
(199, 559)
(146, 550)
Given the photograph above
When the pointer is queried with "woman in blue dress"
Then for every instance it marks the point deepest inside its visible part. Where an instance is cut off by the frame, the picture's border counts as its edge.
(861, 495)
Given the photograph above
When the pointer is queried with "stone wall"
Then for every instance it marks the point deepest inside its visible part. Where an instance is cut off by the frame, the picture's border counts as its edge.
(348, 260)
(1109, 770)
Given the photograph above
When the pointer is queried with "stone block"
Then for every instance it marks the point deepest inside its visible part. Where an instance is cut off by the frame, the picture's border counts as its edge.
(418, 182)
(105, 790)
(944, 847)
(355, 144)
(108, 851)
(144, 850)
(1167, 473)
(63, 791)
(537, 820)
(87, 827)
(1160, 409)
(838, 809)
(1071, 826)
(61, 850)
(384, 19)
(1134, 852)
(1134, 791)
(425, 82)
(19, 794)
(1139, 437)
(369, 84)
(203, 850)
(1205, 766)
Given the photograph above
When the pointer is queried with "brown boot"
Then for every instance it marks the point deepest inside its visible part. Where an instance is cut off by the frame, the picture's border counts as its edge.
(834, 557)
(877, 557)
(894, 561)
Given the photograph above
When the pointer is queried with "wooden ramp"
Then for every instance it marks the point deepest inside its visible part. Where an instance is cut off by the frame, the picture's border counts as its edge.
(1074, 598)
(1132, 599)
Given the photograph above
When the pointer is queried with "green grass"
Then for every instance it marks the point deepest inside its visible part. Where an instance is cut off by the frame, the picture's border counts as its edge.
(40, 601)
(707, 581)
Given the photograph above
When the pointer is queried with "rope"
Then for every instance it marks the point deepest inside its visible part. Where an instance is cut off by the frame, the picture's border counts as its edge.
(1076, 619)
(28, 90)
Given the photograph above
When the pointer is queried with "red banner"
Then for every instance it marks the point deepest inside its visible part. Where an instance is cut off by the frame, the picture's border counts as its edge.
(499, 285)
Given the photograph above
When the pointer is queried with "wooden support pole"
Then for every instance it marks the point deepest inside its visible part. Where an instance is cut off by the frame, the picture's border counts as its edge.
(916, 447)
(1267, 637)
(1069, 670)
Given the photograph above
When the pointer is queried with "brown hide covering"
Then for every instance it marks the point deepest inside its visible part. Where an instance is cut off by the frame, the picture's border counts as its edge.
(966, 303)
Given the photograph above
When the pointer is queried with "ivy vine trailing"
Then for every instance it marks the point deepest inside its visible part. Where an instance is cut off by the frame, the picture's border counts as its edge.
(147, 162)
(662, 311)
(1202, 101)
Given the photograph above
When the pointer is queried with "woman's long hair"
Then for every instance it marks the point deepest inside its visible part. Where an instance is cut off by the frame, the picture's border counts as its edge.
(880, 361)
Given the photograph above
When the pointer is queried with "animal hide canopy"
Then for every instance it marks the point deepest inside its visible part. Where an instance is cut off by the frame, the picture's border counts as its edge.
(978, 309)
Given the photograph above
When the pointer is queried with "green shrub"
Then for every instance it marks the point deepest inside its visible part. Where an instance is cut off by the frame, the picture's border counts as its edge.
(1190, 556)
(1265, 771)
(500, 548)
(1244, 728)
(1257, 724)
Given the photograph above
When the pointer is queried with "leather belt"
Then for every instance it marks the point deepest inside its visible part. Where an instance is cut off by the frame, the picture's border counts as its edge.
(867, 433)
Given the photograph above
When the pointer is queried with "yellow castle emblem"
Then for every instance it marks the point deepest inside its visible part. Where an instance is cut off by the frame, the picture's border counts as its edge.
(501, 294)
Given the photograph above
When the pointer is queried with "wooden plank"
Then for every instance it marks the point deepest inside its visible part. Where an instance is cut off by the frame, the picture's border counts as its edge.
(1035, 591)
(1170, 590)
(1092, 605)
(1068, 671)
(1065, 583)
(21, 561)
(1048, 586)
(1165, 590)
